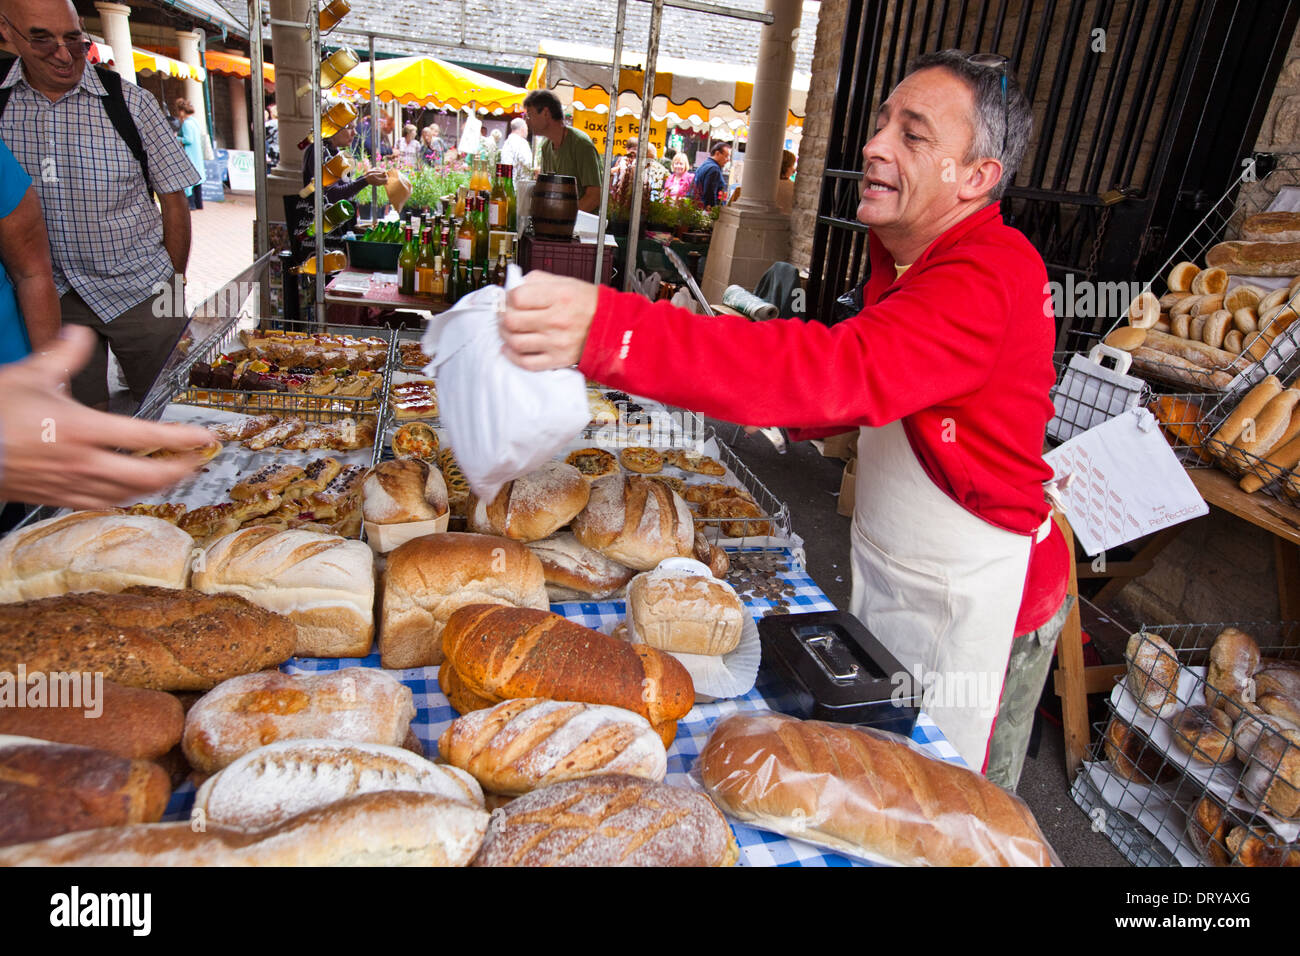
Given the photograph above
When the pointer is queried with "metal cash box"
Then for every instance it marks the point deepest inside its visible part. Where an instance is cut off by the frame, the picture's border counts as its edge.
(834, 669)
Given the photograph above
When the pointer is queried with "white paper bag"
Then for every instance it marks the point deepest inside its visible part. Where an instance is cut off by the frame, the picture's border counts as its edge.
(501, 421)
(1120, 481)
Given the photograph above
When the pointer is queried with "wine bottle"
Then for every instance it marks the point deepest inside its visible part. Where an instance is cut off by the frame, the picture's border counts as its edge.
(407, 259)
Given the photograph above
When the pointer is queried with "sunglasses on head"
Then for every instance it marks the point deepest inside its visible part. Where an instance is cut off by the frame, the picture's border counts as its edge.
(996, 61)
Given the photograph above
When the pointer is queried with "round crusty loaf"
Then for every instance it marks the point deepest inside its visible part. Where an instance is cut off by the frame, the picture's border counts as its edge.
(406, 490)
(1204, 733)
(636, 521)
(428, 578)
(325, 584)
(1229, 680)
(1152, 674)
(521, 745)
(1273, 773)
(539, 503)
(271, 784)
(575, 572)
(93, 551)
(609, 820)
(684, 612)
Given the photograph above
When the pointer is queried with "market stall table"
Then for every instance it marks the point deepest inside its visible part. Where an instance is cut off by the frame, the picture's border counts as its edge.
(758, 847)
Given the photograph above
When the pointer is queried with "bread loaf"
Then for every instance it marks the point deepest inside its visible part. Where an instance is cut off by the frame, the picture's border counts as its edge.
(399, 491)
(1271, 227)
(47, 789)
(1152, 675)
(521, 745)
(502, 653)
(865, 792)
(1249, 407)
(1174, 368)
(609, 820)
(323, 583)
(389, 828)
(1273, 773)
(1229, 679)
(1256, 258)
(145, 637)
(636, 521)
(428, 578)
(537, 504)
(359, 704)
(129, 722)
(684, 612)
(270, 785)
(575, 572)
(93, 551)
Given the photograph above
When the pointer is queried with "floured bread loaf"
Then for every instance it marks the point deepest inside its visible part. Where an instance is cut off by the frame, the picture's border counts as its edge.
(536, 504)
(635, 521)
(685, 612)
(575, 572)
(271, 784)
(93, 551)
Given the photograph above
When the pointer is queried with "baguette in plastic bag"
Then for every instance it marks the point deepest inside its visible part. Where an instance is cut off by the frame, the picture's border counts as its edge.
(866, 793)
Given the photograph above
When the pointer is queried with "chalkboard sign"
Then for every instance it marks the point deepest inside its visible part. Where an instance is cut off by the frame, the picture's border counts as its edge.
(214, 172)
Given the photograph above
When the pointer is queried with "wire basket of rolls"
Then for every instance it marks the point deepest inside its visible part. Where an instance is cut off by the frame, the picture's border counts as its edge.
(1200, 756)
(1257, 440)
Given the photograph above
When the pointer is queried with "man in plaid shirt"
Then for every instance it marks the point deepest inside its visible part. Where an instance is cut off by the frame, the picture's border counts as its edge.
(115, 255)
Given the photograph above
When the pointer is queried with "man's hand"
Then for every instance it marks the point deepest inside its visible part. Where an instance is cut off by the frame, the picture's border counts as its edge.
(376, 177)
(589, 201)
(176, 227)
(546, 320)
(56, 451)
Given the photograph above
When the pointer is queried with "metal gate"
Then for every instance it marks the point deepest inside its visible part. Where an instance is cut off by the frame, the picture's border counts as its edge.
(1143, 113)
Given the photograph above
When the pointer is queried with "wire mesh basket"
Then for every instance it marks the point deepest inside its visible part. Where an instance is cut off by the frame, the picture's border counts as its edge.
(771, 527)
(1214, 779)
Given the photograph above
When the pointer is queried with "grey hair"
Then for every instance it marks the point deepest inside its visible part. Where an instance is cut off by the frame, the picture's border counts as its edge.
(985, 84)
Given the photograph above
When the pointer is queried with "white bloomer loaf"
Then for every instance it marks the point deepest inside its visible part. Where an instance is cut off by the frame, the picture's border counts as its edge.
(325, 584)
(684, 611)
(269, 785)
(92, 551)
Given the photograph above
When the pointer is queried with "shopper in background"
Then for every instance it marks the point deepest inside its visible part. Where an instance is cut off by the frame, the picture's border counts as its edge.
(432, 146)
(516, 151)
(945, 372)
(785, 185)
(272, 136)
(709, 181)
(69, 129)
(681, 181)
(29, 304)
(55, 451)
(192, 140)
(565, 150)
(409, 147)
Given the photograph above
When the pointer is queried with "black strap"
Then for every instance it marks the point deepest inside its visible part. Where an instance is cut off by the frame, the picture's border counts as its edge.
(114, 105)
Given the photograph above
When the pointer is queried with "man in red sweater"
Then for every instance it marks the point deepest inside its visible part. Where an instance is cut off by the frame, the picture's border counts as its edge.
(946, 372)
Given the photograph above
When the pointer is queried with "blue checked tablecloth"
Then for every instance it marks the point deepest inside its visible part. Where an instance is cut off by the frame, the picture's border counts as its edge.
(758, 847)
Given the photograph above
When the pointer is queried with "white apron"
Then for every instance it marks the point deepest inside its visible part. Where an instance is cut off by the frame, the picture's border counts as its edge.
(938, 586)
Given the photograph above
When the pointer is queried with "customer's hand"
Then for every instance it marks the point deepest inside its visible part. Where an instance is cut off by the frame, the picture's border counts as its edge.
(546, 319)
(376, 177)
(56, 451)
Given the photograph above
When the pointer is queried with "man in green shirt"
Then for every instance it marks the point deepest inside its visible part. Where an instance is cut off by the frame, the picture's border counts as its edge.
(566, 151)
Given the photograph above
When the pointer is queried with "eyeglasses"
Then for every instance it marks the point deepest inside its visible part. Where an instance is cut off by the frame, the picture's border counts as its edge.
(996, 61)
(46, 47)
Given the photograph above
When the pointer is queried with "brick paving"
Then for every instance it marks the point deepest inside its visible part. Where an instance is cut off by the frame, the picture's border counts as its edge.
(221, 245)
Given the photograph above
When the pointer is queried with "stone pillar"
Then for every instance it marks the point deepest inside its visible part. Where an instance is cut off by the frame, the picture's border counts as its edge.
(116, 26)
(188, 41)
(753, 234)
(291, 53)
(238, 112)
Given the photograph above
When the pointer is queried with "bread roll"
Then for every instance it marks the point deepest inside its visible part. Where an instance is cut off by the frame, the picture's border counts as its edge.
(865, 792)
(1269, 427)
(1248, 846)
(685, 612)
(1273, 773)
(1133, 756)
(609, 820)
(1181, 276)
(1246, 410)
(360, 704)
(1126, 338)
(129, 722)
(157, 638)
(1229, 680)
(47, 789)
(1144, 311)
(1242, 297)
(1205, 733)
(575, 572)
(636, 522)
(429, 578)
(1152, 674)
(1207, 829)
(539, 503)
(390, 828)
(272, 784)
(92, 551)
(1232, 342)
(323, 583)
(502, 653)
(521, 745)
(1216, 327)
(401, 491)
(1256, 258)
(1210, 282)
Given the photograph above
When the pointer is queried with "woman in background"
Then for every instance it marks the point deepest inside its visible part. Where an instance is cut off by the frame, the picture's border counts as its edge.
(679, 183)
(410, 147)
(192, 139)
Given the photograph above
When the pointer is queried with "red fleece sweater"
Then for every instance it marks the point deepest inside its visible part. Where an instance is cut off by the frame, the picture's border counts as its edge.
(959, 347)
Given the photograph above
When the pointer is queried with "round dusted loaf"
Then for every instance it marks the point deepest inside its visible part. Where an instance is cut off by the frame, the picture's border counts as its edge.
(636, 521)
(106, 551)
(1152, 674)
(406, 490)
(539, 503)
(428, 578)
(575, 572)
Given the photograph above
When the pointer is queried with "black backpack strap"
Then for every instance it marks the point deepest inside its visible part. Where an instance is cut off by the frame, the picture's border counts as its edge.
(115, 106)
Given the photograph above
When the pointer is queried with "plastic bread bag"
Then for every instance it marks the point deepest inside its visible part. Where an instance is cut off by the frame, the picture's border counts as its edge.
(866, 793)
(501, 421)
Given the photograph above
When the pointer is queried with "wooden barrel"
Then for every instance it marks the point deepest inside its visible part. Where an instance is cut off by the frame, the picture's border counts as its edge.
(554, 207)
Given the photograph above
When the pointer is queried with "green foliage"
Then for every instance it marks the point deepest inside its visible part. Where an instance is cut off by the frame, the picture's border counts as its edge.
(428, 184)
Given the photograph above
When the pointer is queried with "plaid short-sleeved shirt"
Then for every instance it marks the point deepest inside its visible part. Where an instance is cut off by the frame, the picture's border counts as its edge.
(105, 231)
